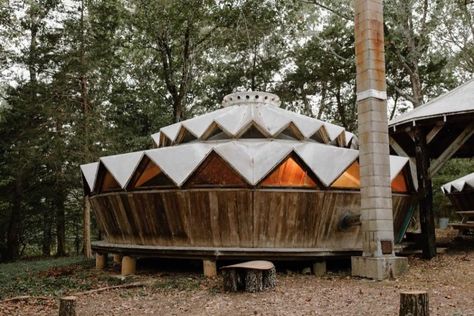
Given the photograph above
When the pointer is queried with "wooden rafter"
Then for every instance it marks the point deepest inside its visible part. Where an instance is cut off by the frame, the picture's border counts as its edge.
(432, 134)
(451, 149)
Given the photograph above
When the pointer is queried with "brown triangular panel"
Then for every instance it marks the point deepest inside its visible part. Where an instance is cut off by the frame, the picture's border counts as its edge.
(290, 173)
(350, 179)
(252, 132)
(149, 175)
(215, 171)
(293, 132)
(108, 183)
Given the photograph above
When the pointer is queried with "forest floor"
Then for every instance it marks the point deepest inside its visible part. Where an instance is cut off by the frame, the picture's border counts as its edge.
(177, 288)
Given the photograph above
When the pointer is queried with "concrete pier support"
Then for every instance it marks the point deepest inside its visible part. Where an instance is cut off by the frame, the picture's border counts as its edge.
(129, 265)
(209, 268)
(319, 268)
(100, 261)
(378, 260)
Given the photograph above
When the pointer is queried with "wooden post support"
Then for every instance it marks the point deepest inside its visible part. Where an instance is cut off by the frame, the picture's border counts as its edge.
(319, 268)
(100, 261)
(414, 303)
(425, 193)
(129, 265)
(209, 268)
(117, 259)
(67, 306)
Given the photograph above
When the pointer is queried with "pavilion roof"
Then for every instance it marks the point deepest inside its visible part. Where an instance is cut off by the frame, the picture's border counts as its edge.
(458, 101)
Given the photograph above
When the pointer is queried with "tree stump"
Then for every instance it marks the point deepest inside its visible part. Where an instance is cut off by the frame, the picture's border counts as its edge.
(414, 303)
(67, 306)
(251, 276)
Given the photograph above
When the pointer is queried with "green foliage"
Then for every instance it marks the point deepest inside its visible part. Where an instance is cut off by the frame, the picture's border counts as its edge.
(82, 79)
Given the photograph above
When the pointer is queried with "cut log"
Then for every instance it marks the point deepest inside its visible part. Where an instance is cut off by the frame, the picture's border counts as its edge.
(269, 278)
(67, 306)
(251, 276)
(253, 281)
(414, 303)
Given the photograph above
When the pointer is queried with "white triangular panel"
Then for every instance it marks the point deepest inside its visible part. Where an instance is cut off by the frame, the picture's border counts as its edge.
(235, 120)
(270, 120)
(156, 138)
(200, 124)
(327, 162)
(179, 162)
(122, 166)
(333, 131)
(90, 173)
(171, 131)
(307, 125)
(396, 165)
(267, 155)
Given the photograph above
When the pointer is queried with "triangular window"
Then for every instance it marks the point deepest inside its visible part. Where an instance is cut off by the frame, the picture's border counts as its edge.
(150, 175)
(215, 171)
(350, 179)
(289, 173)
(109, 183)
(252, 132)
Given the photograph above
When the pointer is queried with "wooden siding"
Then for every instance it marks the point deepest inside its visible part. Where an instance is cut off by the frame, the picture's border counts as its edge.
(262, 218)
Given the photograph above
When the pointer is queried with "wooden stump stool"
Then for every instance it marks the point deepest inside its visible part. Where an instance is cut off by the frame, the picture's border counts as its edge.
(67, 306)
(250, 276)
(414, 303)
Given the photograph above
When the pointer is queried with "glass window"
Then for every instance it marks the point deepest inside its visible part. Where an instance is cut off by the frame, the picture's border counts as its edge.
(289, 174)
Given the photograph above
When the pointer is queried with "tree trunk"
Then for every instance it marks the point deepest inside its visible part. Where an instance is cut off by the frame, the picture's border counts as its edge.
(14, 225)
(414, 303)
(425, 194)
(60, 224)
(47, 234)
(87, 228)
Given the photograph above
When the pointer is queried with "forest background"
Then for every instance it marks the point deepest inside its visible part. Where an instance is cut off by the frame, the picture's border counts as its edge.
(80, 79)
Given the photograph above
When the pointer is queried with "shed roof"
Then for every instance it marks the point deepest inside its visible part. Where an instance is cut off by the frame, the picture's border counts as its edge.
(458, 101)
(459, 185)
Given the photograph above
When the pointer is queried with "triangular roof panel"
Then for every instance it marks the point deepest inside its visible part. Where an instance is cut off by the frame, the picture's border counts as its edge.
(122, 166)
(90, 174)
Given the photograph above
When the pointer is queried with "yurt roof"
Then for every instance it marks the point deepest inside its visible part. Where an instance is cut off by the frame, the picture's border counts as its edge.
(184, 146)
(253, 159)
(459, 101)
(260, 110)
(459, 185)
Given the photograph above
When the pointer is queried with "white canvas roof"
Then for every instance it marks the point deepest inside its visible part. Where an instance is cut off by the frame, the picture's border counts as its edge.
(241, 110)
(457, 101)
(253, 159)
(459, 185)
(90, 173)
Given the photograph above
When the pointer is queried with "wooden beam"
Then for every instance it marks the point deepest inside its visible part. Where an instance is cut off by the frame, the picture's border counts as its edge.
(425, 195)
(432, 134)
(86, 239)
(401, 152)
(451, 149)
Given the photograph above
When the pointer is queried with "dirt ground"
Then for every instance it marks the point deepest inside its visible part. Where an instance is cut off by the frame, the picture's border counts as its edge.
(449, 280)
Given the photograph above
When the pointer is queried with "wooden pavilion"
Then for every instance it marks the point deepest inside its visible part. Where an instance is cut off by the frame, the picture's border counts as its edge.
(430, 135)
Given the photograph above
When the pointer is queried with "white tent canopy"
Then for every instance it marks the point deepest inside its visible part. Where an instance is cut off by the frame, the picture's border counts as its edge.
(459, 185)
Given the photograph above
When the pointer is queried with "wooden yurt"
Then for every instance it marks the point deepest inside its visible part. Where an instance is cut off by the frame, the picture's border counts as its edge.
(248, 180)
